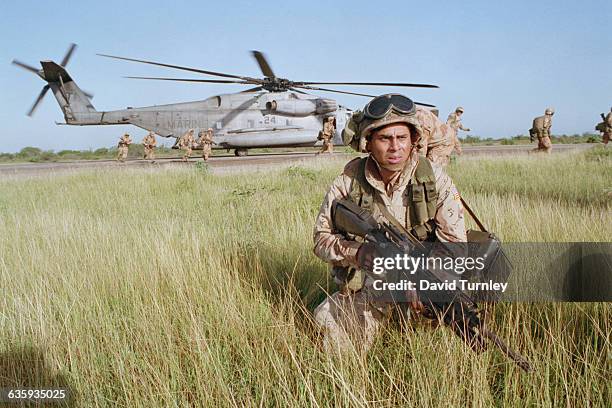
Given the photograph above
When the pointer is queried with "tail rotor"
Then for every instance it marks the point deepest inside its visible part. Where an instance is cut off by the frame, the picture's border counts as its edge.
(41, 74)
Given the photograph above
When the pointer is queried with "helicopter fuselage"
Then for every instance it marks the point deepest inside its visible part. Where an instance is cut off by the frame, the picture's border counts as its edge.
(242, 120)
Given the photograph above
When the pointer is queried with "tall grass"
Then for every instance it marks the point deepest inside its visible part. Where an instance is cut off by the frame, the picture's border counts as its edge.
(139, 287)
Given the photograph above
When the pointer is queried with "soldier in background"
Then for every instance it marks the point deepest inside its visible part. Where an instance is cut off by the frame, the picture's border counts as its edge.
(541, 129)
(206, 141)
(123, 147)
(441, 153)
(605, 127)
(186, 144)
(327, 135)
(454, 120)
(149, 144)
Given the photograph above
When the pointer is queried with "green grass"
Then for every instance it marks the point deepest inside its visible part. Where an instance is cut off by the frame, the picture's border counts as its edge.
(142, 287)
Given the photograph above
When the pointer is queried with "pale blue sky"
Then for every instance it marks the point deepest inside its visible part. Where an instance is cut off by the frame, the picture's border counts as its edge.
(503, 62)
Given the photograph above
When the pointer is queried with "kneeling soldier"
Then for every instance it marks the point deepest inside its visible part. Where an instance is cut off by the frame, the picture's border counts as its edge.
(415, 191)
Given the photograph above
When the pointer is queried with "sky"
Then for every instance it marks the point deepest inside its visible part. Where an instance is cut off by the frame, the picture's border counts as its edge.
(504, 62)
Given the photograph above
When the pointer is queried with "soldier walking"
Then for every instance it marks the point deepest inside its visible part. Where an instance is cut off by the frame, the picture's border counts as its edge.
(123, 147)
(393, 130)
(454, 120)
(327, 135)
(605, 127)
(541, 129)
(186, 144)
(149, 144)
(206, 141)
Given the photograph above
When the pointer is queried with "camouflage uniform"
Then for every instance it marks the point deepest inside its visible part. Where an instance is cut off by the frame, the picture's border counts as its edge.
(454, 120)
(351, 318)
(122, 147)
(541, 129)
(186, 144)
(607, 134)
(438, 139)
(206, 141)
(327, 135)
(149, 144)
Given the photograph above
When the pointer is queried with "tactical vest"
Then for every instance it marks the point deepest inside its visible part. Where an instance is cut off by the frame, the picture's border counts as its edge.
(420, 192)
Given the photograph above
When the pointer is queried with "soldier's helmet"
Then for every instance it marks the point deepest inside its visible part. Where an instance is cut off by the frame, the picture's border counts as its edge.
(330, 118)
(381, 111)
(459, 109)
(549, 111)
(209, 130)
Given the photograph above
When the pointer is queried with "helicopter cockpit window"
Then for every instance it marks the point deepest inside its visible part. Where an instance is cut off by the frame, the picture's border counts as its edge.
(214, 102)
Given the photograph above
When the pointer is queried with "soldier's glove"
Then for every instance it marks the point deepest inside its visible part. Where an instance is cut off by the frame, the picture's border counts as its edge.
(366, 254)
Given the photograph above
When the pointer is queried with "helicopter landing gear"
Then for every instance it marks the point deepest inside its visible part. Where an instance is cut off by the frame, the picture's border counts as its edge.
(241, 152)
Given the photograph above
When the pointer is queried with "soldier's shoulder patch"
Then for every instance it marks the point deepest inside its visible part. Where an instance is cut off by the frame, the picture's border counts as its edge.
(456, 196)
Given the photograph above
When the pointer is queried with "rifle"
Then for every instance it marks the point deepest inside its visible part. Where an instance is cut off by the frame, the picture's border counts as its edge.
(460, 313)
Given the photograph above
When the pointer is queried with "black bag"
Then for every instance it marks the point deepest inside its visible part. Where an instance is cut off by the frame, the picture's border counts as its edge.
(485, 244)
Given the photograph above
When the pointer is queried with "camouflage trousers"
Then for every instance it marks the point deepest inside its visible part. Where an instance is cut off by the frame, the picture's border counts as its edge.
(206, 151)
(544, 144)
(149, 153)
(186, 153)
(122, 153)
(606, 137)
(328, 146)
(350, 321)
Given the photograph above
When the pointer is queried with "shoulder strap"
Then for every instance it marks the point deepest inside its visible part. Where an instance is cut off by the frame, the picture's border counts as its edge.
(361, 192)
(424, 172)
(473, 215)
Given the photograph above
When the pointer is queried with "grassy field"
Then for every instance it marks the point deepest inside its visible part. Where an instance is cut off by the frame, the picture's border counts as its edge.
(141, 288)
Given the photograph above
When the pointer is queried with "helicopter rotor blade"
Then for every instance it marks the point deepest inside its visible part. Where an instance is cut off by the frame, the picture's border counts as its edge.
(68, 54)
(41, 95)
(403, 84)
(425, 104)
(298, 91)
(263, 64)
(214, 81)
(25, 66)
(256, 89)
(315, 88)
(200, 71)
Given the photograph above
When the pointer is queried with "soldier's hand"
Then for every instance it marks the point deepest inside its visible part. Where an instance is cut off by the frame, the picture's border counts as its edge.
(413, 299)
(366, 254)
(468, 130)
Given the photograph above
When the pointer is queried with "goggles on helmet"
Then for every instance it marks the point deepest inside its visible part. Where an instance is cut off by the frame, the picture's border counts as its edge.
(380, 106)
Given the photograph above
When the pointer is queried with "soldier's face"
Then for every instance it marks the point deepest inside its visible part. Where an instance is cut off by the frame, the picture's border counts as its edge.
(391, 146)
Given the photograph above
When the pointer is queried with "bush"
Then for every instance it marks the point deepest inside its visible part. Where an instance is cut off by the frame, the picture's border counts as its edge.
(29, 152)
(507, 142)
(471, 139)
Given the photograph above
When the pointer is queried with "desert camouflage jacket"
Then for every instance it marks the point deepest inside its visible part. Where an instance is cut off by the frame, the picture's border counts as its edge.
(333, 247)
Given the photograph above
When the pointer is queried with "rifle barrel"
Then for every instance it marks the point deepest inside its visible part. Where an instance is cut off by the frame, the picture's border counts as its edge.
(516, 357)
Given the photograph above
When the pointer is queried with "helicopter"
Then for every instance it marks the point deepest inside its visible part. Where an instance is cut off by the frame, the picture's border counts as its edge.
(275, 112)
